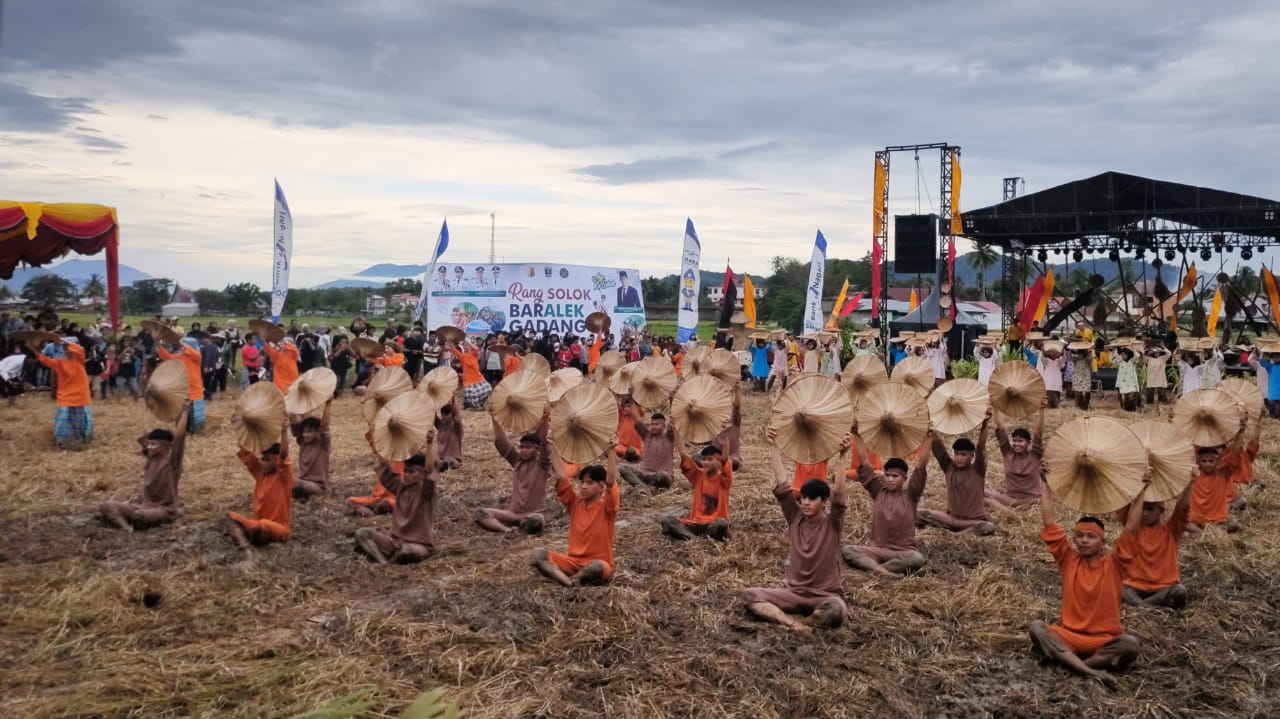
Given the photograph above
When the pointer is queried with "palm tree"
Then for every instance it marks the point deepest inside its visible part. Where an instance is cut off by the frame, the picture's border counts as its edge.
(93, 286)
(983, 258)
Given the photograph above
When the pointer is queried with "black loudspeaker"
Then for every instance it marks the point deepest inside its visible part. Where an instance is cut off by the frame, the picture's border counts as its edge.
(915, 244)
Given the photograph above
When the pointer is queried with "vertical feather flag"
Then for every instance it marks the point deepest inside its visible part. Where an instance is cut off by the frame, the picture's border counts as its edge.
(442, 244)
(877, 256)
(282, 253)
(915, 301)
(1044, 299)
(690, 285)
(1027, 317)
(729, 295)
(957, 222)
(813, 292)
(835, 309)
(1273, 293)
(1214, 311)
(749, 301)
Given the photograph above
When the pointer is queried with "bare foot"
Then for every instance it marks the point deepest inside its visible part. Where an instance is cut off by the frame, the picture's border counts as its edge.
(1104, 678)
(802, 629)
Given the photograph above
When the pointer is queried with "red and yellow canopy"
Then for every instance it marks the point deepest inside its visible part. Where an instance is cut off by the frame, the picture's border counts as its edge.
(37, 233)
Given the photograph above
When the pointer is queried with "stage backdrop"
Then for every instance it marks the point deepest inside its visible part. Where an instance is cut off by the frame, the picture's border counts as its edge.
(511, 297)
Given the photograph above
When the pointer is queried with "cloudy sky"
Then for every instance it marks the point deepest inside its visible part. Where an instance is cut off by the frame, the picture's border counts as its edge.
(593, 129)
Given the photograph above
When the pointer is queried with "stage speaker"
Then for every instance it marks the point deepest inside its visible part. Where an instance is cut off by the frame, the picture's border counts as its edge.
(915, 244)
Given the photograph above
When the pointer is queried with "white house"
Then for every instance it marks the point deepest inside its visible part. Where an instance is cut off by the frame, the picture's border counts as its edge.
(375, 305)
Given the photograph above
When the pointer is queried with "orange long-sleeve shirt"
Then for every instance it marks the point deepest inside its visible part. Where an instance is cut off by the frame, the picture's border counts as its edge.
(1211, 494)
(272, 493)
(284, 366)
(190, 358)
(470, 359)
(1154, 550)
(511, 364)
(73, 381)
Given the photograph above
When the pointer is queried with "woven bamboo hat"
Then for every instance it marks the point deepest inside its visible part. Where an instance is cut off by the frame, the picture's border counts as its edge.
(598, 322)
(958, 406)
(268, 331)
(1016, 389)
(739, 318)
(1247, 393)
(724, 366)
(1034, 336)
(946, 323)
(1053, 349)
(1171, 456)
(563, 380)
(702, 408)
(1188, 344)
(519, 401)
(440, 384)
(652, 381)
(811, 417)
(608, 364)
(861, 374)
(35, 339)
(583, 422)
(400, 427)
(387, 384)
(1095, 465)
(310, 391)
(259, 417)
(535, 362)
(914, 371)
(1207, 343)
(1207, 417)
(367, 348)
(620, 382)
(169, 335)
(450, 334)
(893, 419)
(167, 390)
(1080, 346)
(695, 362)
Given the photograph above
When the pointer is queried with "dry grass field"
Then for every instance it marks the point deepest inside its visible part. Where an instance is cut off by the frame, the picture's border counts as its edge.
(96, 622)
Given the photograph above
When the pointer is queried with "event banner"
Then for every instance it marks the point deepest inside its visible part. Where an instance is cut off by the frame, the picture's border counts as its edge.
(690, 285)
(813, 293)
(537, 296)
(282, 251)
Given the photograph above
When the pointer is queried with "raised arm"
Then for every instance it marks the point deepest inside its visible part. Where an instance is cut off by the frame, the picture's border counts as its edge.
(838, 484)
(679, 443)
(980, 457)
(1047, 514)
(940, 452)
(430, 449)
(611, 464)
(1038, 432)
(999, 418)
(1134, 519)
(558, 470)
(775, 456)
(284, 439)
(324, 418)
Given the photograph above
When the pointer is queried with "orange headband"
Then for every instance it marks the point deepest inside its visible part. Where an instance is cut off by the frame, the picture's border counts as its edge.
(1089, 527)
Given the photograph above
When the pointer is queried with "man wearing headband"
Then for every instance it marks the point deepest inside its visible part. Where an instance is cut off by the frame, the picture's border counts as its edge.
(1089, 639)
(966, 477)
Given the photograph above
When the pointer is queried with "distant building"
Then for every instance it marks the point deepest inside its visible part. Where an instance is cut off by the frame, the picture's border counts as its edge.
(180, 309)
(715, 293)
(375, 305)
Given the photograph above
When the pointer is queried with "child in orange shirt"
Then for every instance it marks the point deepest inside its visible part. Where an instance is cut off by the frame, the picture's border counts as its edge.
(593, 510)
(272, 493)
(1211, 492)
(712, 477)
(1152, 578)
(1089, 640)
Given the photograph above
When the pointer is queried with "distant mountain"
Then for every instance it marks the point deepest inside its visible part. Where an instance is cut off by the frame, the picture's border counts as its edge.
(331, 284)
(389, 269)
(77, 271)
(968, 274)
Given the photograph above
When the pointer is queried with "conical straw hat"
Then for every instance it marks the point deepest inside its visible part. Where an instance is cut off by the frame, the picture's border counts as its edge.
(811, 417)
(598, 322)
(1207, 417)
(893, 418)
(914, 371)
(563, 380)
(367, 348)
(259, 417)
(400, 427)
(153, 327)
(387, 384)
(695, 362)
(519, 401)
(35, 339)
(620, 382)
(739, 318)
(1095, 465)
(608, 364)
(958, 406)
(167, 390)
(724, 366)
(583, 421)
(652, 381)
(1016, 389)
(534, 362)
(1246, 393)
(702, 408)
(310, 391)
(450, 334)
(268, 331)
(1171, 456)
(440, 384)
(861, 374)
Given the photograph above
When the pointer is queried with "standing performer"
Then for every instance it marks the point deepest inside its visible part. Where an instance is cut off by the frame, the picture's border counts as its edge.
(1089, 639)
(1191, 373)
(988, 360)
(1211, 368)
(895, 499)
(1023, 455)
(284, 363)
(593, 511)
(965, 475)
(188, 352)
(813, 595)
(73, 420)
(158, 501)
(1157, 359)
(1081, 373)
(1127, 380)
(475, 390)
(1050, 363)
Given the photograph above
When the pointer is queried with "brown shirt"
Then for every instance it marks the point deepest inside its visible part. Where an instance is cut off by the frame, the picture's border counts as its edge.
(313, 459)
(814, 559)
(528, 478)
(160, 476)
(966, 488)
(893, 514)
(657, 450)
(413, 515)
(449, 437)
(1021, 471)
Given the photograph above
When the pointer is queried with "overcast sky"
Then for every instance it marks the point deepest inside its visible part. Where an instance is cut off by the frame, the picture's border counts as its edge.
(593, 129)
